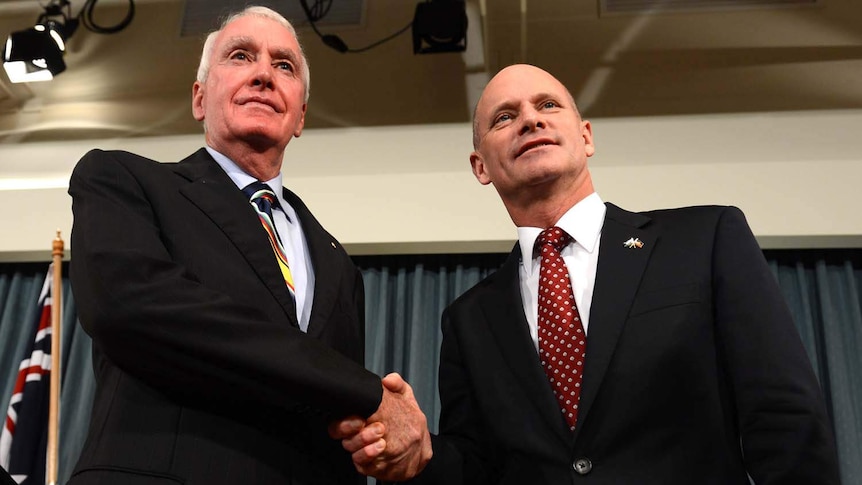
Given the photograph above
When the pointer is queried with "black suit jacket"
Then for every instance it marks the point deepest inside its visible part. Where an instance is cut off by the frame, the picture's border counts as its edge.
(694, 371)
(203, 376)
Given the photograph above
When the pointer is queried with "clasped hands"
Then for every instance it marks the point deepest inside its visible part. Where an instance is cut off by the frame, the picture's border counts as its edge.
(393, 444)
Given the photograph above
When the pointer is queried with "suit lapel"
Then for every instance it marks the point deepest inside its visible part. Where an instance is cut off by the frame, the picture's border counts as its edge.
(326, 263)
(504, 311)
(211, 190)
(618, 276)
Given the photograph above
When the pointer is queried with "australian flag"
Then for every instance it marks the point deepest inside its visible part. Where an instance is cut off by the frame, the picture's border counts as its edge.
(24, 438)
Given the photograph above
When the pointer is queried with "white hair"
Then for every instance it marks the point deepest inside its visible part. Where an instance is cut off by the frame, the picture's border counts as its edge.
(256, 11)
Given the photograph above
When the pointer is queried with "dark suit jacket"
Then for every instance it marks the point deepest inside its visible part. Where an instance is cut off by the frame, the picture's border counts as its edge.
(203, 376)
(691, 351)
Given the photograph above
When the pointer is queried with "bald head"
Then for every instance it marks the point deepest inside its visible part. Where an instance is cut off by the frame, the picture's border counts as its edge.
(523, 75)
(532, 145)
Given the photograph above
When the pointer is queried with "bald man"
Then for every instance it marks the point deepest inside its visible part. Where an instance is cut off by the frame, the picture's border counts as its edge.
(613, 347)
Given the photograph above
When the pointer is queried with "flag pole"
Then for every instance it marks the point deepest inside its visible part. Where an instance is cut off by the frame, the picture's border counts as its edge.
(54, 403)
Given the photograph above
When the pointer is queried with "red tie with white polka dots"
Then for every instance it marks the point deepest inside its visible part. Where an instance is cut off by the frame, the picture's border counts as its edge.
(562, 340)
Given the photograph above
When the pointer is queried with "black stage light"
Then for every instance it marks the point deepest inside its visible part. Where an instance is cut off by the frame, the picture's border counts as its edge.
(35, 54)
(440, 26)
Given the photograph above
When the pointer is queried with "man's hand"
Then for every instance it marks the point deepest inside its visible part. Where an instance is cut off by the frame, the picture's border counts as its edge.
(394, 443)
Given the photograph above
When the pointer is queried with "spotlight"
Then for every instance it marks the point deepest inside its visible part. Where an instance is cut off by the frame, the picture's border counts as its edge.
(36, 54)
(440, 26)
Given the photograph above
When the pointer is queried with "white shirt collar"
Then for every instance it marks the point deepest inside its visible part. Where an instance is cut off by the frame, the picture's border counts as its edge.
(242, 179)
(583, 222)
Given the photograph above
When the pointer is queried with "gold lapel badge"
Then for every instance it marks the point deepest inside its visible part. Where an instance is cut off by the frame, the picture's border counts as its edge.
(633, 243)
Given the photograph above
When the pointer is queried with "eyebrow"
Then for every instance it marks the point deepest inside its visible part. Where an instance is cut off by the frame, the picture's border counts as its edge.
(288, 54)
(502, 106)
(237, 42)
(509, 104)
(246, 42)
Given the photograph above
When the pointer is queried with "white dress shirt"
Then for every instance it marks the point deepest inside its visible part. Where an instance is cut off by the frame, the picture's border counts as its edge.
(290, 232)
(584, 223)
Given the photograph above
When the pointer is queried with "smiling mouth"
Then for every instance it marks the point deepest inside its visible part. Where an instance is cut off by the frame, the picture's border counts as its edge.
(532, 147)
(260, 104)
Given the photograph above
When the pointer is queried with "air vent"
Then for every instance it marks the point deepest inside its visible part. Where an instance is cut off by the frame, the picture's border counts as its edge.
(203, 16)
(640, 6)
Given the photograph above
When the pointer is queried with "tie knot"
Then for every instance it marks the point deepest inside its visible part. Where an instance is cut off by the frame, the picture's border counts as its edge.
(554, 237)
(259, 192)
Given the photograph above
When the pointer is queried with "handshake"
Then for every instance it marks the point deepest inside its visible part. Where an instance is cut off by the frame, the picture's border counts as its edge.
(393, 444)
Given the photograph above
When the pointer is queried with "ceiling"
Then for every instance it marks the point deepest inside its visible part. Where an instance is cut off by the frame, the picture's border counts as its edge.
(726, 60)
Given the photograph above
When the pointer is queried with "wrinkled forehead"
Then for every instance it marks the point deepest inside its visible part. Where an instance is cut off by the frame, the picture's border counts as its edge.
(256, 31)
(517, 84)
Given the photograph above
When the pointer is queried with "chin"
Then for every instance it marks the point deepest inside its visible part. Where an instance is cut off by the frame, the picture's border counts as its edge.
(260, 139)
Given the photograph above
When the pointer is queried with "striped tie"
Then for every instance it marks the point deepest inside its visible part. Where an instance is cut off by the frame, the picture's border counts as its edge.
(263, 199)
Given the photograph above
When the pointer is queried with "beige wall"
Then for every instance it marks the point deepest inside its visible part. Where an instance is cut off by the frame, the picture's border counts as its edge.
(409, 189)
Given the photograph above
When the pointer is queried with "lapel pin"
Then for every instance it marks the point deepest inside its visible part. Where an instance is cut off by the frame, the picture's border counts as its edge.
(633, 243)
(333, 244)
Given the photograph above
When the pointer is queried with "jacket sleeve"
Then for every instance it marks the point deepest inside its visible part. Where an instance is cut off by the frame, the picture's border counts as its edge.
(784, 427)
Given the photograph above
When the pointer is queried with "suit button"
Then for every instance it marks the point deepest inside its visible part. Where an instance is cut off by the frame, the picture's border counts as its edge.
(582, 466)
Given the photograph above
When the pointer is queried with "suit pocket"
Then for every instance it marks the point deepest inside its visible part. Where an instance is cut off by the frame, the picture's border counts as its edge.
(657, 299)
(118, 476)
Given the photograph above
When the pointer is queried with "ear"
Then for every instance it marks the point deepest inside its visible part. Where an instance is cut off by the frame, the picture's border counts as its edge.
(479, 168)
(198, 101)
(587, 133)
(301, 124)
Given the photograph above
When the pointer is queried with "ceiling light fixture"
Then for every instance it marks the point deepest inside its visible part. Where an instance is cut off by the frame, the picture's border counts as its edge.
(36, 54)
(440, 26)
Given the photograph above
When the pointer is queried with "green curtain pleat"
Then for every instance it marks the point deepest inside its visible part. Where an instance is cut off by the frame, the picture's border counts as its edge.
(824, 292)
(76, 395)
(405, 296)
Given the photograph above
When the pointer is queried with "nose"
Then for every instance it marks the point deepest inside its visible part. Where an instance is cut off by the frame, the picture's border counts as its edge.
(531, 120)
(263, 77)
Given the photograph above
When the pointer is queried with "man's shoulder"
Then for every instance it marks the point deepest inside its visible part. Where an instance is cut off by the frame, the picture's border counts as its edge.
(687, 214)
(99, 161)
(97, 155)
(477, 289)
(495, 282)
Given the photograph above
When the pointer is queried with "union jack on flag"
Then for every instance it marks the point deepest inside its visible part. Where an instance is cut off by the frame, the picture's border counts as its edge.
(24, 439)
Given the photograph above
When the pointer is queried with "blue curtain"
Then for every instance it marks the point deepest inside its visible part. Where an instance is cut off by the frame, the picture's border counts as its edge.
(824, 291)
(405, 296)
